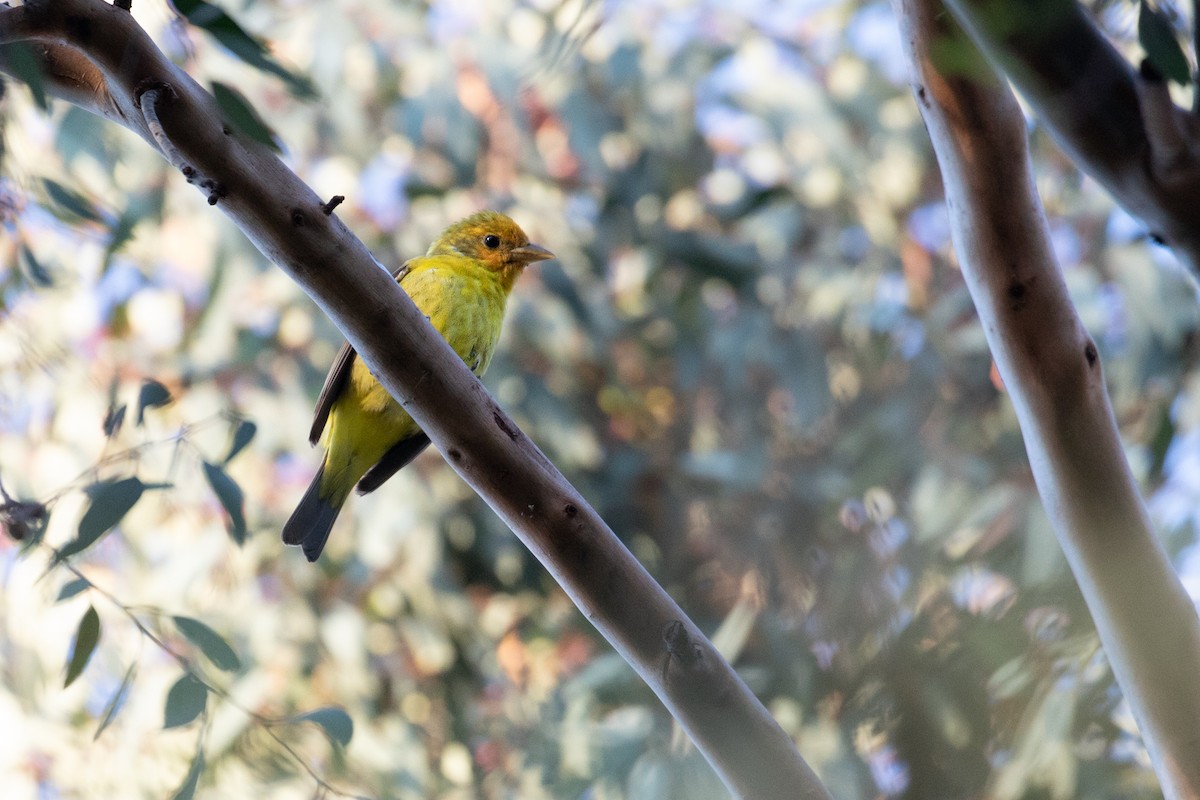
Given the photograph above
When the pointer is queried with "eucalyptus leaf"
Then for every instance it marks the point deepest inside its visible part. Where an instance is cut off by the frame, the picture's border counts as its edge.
(1157, 37)
(188, 790)
(86, 638)
(185, 701)
(114, 418)
(72, 201)
(234, 38)
(72, 588)
(333, 720)
(21, 60)
(142, 207)
(37, 271)
(110, 502)
(242, 436)
(1163, 433)
(117, 701)
(238, 112)
(214, 647)
(152, 395)
(230, 495)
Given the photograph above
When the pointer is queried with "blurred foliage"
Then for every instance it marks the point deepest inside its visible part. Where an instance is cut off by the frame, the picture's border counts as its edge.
(755, 354)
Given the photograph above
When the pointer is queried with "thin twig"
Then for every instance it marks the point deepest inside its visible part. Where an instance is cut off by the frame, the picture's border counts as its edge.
(134, 451)
(188, 666)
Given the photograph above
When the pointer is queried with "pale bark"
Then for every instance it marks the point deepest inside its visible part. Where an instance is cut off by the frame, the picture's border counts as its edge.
(98, 57)
(1120, 127)
(1051, 370)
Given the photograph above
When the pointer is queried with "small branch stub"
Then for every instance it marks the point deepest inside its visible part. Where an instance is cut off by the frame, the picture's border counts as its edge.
(216, 190)
(333, 203)
(679, 646)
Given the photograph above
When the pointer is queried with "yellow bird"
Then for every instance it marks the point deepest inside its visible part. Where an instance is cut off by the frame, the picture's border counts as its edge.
(461, 286)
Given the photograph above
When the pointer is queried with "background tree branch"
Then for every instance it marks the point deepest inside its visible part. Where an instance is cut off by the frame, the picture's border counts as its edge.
(1093, 102)
(287, 222)
(1196, 50)
(1049, 364)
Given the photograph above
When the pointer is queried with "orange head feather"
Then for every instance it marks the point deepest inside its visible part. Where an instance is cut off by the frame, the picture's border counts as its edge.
(493, 239)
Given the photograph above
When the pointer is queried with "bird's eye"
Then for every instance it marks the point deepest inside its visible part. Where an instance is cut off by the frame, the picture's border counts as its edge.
(491, 241)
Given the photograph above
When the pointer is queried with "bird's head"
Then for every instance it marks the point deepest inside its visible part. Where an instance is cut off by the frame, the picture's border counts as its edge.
(493, 239)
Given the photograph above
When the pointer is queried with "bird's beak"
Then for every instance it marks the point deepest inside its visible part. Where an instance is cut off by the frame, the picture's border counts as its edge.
(530, 253)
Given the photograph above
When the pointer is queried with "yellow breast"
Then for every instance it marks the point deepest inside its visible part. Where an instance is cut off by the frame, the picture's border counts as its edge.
(463, 301)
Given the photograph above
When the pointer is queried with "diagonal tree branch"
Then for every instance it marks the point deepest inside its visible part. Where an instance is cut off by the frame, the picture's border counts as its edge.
(1092, 101)
(1196, 53)
(293, 228)
(1052, 371)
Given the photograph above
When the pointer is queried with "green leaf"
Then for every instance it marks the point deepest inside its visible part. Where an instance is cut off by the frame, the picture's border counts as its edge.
(141, 207)
(333, 720)
(242, 436)
(114, 418)
(1157, 37)
(215, 648)
(79, 134)
(85, 643)
(72, 588)
(37, 272)
(185, 702)
(116, 701)
(152, 395)
(119, 233)
(238, 112)
(230, 495)
(72, 201)
(111, 501)
(23, 63)
(225, 30)
(1160, 442)
(188, 790)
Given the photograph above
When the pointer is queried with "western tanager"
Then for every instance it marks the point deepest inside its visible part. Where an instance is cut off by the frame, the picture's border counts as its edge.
(461, 286)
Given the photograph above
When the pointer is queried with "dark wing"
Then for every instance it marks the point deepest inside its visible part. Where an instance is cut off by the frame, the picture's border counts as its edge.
(339, 373)
(394, 460)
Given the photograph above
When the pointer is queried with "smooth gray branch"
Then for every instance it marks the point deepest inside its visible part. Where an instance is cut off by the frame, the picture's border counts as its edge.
(295, 229)
(1196, 53)
(1051, 369)
(1089, 97)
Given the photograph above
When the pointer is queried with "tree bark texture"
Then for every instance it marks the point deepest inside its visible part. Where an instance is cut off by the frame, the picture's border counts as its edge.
(95, 55)
(1119, 126)
(1051, 370)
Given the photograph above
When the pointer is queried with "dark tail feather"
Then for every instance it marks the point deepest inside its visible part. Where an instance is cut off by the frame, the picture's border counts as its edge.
(312, 520)
(394, 460)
